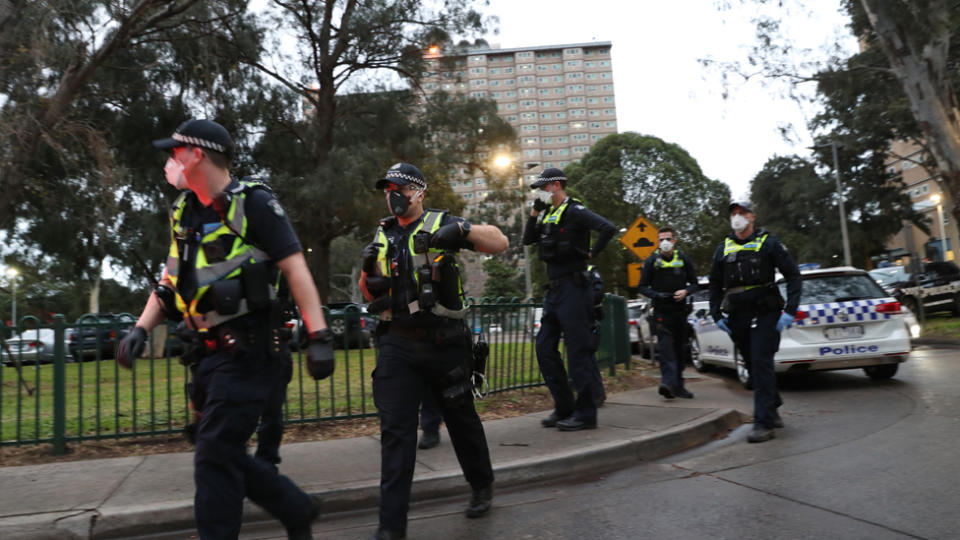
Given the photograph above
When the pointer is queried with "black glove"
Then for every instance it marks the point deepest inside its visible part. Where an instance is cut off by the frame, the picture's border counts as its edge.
(370, 257)
(539, 205)
(320, 354)
(448, 237)
(131, 346)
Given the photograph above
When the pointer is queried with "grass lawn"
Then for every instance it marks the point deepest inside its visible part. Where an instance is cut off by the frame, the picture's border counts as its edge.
(105, 401)
(941, 325)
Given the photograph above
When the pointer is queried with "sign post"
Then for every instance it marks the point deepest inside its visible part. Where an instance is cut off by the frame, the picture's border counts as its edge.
(641, 239)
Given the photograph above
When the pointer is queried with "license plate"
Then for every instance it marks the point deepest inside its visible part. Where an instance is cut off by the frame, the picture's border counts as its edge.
(844, 332)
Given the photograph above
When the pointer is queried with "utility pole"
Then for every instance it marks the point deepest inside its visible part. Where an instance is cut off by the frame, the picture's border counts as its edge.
(847, 260)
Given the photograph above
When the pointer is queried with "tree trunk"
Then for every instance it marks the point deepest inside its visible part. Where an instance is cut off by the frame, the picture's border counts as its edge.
(319, 262)
(920, 63)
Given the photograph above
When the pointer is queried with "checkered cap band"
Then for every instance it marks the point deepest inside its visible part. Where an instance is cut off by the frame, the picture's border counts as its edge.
(397, 175)
(194, 141)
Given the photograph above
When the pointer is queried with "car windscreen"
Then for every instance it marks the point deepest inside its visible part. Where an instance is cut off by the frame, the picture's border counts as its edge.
(823, 289)
(635, 311)
(886, 276)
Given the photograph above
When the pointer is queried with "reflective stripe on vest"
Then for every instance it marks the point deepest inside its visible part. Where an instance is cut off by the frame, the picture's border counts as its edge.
(677, 262)
(729, 246)
(209, 273)
(430, 222)
(553, 217)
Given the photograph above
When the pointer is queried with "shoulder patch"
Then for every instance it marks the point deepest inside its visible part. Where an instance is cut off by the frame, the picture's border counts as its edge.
(275, 206)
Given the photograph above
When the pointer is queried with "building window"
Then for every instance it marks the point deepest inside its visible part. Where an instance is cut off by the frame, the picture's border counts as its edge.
(560, 103)
(508, 70)
(561, 115)
(563, 152)
(454, 184)
(557, 78)
(481, 94)
(548, 153)
(478, 71)
(477, 59)
(575, 88)
(525, 67)
(575, 99)
(525, 78)
(467, 183)
(494, 71)
(548, 140)
(530, 140)
(468, 195)
(544, 91)
(529, 127)
(575, 75)
(542, 67)
(578, 112)
(561, 127)
(594, 112)
(593, 101)
(573, 63)
(608, 99)
(527, 91)
(596, 137)
(494, 83)
(511, 118)
(607, 87)
(606, 75)
(528, 103)
(531, 152)
(610, 124)
(546, 128)
(543, 80)
(528, 116)
(609, 112)
(546, 116)
(527, 54)
(594, 125)
(544, 103)
(571, 51)
(558, 90)
(511, 106)
(510, 93)
(509, 82)
(579, 137)
(478, 82)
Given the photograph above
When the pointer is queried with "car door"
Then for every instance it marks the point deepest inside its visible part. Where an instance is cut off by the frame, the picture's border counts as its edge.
(715, 346)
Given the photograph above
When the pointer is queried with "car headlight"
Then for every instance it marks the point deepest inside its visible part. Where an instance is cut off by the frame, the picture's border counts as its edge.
(914, 331)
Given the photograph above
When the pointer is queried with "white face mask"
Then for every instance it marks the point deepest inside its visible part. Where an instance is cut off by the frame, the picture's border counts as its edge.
(666, 246)
(173, 170)
(545, 196)
(739, 222)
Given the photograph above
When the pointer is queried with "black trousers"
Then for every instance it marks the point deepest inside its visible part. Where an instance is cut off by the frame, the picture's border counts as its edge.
(673, 336)
(430, 416)
(270, 431)
(230, 390)
(757, 344)
(406, 369)
(568, 311)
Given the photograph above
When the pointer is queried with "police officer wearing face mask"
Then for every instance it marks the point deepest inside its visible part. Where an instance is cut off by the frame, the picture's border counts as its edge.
(230, 240)
(562, 233)
(667, 278)
(746, 303)
(411, 278)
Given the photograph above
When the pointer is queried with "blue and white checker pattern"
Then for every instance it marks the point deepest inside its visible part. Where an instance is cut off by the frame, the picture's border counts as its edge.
(855, 310)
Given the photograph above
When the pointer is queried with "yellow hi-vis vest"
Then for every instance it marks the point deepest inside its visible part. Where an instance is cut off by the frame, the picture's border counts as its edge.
(430, 222)
(729, 246)
(677, 262)
(235, 224)
(553, 217)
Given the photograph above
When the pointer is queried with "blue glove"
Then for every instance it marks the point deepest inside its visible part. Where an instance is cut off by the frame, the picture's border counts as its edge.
(784, 322)
(723, 325)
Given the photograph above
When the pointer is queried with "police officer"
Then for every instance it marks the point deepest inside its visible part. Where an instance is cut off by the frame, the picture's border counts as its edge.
(667, 278)
(563, 235)
(229, 240)
(410, 276)
(746, 303)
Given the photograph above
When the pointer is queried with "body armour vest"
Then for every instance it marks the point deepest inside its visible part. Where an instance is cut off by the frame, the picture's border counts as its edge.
(743, 265)
(557, 243)
(221, 253)
(669, 276)
(444, 272)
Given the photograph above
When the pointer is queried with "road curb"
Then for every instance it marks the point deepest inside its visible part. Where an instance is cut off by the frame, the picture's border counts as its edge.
(119, 522)
(936, 341)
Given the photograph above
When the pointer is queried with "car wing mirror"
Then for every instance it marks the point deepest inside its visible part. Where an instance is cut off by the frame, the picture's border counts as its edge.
(701, 313)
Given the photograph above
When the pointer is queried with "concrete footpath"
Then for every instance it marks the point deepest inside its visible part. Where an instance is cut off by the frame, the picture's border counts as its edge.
(110, 498)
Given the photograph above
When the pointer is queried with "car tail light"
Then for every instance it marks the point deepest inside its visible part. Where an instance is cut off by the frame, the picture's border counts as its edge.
(889, 307)
(363, 323)
(290, 325)
(113, 334)
(633, 322)
(32, 344)
(801, 315)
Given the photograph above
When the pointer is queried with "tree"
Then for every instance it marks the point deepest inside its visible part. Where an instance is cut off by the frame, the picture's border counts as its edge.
(919, 39)
(629, 174)
(339, 43)
(502, 280)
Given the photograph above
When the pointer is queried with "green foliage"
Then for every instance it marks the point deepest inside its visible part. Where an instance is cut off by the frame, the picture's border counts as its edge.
(628, 174)
(502, 280)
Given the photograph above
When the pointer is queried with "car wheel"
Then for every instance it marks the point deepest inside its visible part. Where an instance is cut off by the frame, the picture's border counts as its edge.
(881, 372)
(955, 308)
(695, 358)
(743, 374)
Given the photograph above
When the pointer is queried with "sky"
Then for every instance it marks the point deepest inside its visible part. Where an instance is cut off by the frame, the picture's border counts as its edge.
(660, 87)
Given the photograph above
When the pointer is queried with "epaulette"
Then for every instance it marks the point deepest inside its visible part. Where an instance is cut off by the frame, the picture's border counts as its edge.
(250, 182)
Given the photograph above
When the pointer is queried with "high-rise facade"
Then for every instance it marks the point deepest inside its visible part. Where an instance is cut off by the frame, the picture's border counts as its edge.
(559, 98)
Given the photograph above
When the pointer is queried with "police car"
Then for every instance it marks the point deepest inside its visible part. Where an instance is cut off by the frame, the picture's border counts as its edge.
(845, 321)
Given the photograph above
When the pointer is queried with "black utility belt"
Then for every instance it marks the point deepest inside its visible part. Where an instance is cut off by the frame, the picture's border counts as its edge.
(578, 278)
(439, 336)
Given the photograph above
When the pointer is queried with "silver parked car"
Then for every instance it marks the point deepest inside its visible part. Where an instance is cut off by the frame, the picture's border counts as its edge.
(30, 347)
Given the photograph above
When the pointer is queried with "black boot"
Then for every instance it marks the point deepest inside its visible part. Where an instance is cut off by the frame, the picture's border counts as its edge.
(480, 502)
(387, 534)
(428, 440)
(304, 532)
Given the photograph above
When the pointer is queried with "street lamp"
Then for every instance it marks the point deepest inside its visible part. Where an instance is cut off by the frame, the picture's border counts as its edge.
(843, 214)
(503, 161)
(936, 199)
(12, 273)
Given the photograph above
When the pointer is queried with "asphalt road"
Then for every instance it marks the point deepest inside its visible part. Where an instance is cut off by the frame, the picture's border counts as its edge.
(857, 459)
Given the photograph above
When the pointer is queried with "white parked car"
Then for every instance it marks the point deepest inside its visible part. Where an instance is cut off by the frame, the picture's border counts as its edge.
(30, 347)
(845, 321)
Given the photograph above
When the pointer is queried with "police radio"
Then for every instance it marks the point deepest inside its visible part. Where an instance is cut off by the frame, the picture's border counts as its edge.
(166, 295)
(427, 294)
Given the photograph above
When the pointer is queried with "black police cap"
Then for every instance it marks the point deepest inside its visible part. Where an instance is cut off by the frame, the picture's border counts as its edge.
(201, 133)
(746, 205)
(402, 174)
(548, 175)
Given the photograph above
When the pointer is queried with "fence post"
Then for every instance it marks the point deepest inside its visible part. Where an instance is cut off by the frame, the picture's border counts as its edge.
(59, 387)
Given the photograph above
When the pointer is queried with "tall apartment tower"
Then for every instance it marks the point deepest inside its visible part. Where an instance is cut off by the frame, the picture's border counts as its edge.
(559, 98)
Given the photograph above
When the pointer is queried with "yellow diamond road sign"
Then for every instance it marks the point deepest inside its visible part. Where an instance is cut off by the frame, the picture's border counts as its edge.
(640, 238)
